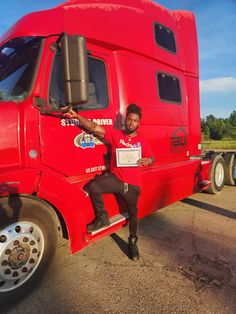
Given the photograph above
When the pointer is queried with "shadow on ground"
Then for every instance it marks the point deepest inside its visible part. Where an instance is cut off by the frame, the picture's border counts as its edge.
(169, 245)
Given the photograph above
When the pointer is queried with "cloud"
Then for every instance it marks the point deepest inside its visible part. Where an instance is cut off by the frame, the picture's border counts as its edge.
(221, 84)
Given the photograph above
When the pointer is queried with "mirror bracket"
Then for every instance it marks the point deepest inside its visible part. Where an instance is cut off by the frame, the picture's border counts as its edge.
(42, 105)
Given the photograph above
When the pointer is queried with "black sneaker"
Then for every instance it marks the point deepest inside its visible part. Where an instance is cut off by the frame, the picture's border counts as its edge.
(99, 222)
(133, 249)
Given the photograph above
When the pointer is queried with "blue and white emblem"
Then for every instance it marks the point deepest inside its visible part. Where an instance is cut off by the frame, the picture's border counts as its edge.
(86, 140)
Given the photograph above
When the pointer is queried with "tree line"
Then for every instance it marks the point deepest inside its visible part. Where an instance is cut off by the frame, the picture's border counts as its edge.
(218, 128)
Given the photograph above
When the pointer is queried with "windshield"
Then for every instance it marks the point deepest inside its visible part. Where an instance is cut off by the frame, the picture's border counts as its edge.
(18, 58)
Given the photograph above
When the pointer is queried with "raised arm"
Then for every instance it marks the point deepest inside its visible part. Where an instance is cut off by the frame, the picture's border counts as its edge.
(91, 126)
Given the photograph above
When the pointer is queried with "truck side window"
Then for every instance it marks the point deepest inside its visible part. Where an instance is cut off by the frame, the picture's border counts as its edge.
(169, 88)
(98, 96)
(165, 38)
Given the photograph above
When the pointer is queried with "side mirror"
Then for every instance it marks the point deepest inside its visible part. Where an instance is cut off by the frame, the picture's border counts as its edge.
(75, 69)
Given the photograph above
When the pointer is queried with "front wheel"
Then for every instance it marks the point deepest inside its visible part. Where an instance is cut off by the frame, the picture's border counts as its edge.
(217, 174)
(28, 240)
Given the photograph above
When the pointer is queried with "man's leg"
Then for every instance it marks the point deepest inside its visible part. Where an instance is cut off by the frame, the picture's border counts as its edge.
(131, 197)
(106, 183)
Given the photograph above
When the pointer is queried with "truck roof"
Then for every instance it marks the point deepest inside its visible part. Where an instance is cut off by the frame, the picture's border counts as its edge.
(117, 25)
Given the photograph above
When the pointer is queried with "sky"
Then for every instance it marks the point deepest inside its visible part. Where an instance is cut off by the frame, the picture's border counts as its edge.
(216, 39)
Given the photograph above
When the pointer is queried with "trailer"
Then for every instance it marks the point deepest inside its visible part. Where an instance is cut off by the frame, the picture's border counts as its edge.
(97, 57)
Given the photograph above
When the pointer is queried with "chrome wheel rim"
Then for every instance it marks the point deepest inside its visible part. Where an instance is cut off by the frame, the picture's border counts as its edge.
(21, 250)
(219, 174)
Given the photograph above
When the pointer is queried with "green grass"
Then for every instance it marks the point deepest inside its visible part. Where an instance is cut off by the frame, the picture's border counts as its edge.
(229, 145)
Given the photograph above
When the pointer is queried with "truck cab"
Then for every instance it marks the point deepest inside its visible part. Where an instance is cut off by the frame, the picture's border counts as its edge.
(98, 58)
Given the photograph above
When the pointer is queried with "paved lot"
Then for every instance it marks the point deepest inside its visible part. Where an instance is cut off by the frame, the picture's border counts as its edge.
(188, 265)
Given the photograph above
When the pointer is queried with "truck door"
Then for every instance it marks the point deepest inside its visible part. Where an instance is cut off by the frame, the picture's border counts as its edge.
(66, 148)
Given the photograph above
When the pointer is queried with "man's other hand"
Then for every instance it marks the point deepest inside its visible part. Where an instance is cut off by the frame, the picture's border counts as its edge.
(144, 162)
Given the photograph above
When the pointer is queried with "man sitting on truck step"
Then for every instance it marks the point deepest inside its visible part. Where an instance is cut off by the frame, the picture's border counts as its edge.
(124, 181)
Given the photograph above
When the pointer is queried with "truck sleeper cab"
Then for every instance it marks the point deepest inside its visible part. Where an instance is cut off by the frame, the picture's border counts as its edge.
(86, 59)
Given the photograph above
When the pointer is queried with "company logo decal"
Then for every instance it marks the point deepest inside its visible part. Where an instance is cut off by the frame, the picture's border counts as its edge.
(178, 140)
(86, 140)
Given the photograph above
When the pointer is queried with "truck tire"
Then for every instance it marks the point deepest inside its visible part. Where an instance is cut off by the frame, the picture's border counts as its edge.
(217, 174)
(230, 173)
(28, 240)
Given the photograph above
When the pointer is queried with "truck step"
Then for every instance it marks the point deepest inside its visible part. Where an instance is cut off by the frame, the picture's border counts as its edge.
(113, 221)
(204, 184)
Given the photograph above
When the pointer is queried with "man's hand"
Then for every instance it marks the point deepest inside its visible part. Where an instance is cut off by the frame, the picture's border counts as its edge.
(144, 162)
(71, 114)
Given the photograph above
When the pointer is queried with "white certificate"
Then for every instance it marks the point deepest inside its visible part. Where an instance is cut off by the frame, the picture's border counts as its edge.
(128, 157)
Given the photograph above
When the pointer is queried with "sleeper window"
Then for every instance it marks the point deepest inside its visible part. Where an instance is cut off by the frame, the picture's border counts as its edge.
(169, 88)
(165, 38)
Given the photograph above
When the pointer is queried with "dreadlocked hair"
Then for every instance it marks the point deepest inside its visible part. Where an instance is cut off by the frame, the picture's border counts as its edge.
(132, 108)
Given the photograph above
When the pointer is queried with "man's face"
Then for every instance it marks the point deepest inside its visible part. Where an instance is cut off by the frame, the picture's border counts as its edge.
(132, 122)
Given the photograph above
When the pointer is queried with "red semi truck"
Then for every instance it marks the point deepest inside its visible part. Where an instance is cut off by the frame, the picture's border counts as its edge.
(97, 57)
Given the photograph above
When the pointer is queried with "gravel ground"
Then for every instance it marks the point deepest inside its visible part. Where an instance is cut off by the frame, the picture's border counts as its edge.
(188, 265)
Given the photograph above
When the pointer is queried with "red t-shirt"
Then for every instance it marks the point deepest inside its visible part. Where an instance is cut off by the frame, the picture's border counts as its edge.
(118, 139)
